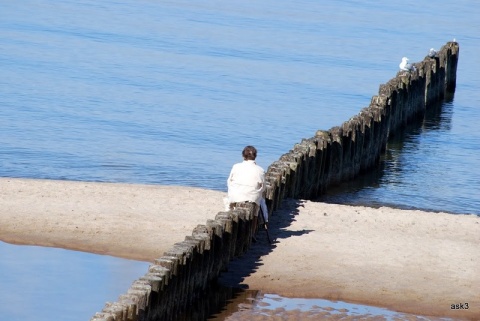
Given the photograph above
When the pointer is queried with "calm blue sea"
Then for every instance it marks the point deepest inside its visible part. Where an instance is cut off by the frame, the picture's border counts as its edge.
(169, 92)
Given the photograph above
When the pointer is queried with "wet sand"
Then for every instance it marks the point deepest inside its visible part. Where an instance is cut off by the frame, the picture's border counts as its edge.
(408, 261)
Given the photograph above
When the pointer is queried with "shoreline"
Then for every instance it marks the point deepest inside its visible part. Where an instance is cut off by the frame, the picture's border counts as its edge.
(408, 261)
(404, 260)
(131, 221)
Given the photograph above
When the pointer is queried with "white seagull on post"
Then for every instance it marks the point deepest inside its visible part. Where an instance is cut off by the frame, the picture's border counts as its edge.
(432, 53)
(406, 66)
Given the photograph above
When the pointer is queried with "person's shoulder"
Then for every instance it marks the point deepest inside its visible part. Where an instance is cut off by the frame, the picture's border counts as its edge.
(236, 165)
(254, 164)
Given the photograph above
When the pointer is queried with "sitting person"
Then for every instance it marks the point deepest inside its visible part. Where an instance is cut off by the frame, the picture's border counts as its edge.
(246, 183)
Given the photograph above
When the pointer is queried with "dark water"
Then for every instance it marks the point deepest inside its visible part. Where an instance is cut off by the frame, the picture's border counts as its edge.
(170, 92)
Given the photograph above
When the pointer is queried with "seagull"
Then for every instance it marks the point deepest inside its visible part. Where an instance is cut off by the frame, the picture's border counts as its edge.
(432, 53)
(405, 66)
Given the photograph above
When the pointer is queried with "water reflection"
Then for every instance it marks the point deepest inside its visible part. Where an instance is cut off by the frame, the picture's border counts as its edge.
(218, 304)
(271, 306)
(44, 284)
(418, 159)
(226, 303)
(40, 283)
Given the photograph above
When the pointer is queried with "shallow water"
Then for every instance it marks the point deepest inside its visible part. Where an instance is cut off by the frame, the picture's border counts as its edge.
(40, 283)
(271, 306)
(170, 92)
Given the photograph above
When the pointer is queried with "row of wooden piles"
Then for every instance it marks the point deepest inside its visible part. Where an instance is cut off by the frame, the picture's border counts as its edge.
(180, 277)
(343, 152)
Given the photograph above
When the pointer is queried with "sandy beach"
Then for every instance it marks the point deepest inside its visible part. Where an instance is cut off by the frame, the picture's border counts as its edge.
(408, 261)
(138, 222)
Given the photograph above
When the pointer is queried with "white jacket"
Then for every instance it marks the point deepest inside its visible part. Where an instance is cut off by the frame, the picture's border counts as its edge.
(246, 182)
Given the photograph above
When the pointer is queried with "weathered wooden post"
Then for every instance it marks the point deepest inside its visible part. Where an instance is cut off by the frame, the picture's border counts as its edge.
(451, 52)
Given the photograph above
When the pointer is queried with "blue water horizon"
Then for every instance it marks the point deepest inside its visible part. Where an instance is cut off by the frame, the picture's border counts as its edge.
(174, 99)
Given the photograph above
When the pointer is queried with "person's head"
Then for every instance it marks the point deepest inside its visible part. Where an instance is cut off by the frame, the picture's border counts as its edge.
(249, 153)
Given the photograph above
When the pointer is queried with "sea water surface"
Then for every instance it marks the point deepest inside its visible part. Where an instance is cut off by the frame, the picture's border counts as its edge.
(169, 92)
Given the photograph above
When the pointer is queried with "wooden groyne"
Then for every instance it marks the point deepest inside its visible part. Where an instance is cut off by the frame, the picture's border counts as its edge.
(343, 152)
(176, 280)
(183, 275)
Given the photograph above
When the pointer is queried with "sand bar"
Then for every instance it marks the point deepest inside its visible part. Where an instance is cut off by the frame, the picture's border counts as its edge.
(408, 261)
(131, 221)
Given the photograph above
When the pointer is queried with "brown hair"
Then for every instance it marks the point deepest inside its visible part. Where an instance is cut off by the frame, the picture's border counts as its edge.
(249, 153)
